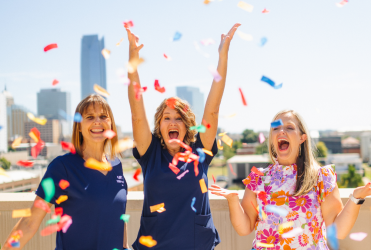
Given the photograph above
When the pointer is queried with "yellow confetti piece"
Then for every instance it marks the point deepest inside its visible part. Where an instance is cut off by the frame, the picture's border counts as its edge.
(61, 199)
(203, 186)
(207, 152)
(133, 64)
(3, 172)
(106, 53)
(207, 1)
(282, 226)
(33, 136)
(21, 213)
(118, 44)
(245, 6)
(221, 134)
(17, 142)
(219, 144)
(227, 140)
(244, 36)
(99, 90)
(147, 241)
(94, 164)
(157, 207)
(260, 244)
(40, 121)
(124, 144)
(230, 116)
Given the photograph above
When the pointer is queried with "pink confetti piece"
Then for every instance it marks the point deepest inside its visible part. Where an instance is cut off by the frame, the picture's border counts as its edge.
(50, 46)
(182, 174)
(167, 57)
(158, 88)
(55, 82)
(358, 236)
(215, 74)
(342, 3)
(138, 90)
(42, 205)
(207, 42)
(265, 11)
(261, 138)
(109, 134)
(128, 24)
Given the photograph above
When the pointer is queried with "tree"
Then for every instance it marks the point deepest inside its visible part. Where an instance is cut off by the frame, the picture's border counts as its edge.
(262, 148)
(229, 152)
(321, 149)
(249, 136)
(10, 149)
(5, 164)
(351, 179)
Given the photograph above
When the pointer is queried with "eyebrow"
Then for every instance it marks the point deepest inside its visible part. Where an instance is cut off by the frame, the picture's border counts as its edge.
(166, 113)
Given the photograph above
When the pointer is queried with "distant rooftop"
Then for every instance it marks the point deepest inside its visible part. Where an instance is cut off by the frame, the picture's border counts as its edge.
(16, 175)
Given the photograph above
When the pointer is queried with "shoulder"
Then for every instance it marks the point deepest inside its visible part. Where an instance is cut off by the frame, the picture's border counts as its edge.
(327, 171)
(326, 181)
(60, 161)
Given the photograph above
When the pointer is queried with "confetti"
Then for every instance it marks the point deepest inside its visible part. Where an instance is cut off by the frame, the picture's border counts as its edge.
(77, 117)
(207, 125)
(174, 168)
(199, 128)
(133, 64)
(245, 6)
(147, 241)
(227, 140)
(157, 207)
(262, 195)
(342, 3)
(65, 223)
(358, 236)
(215, 73)
(199, 50)
(265, 11)
(260, 244)
(36, 150)
(49, 230)
(256, 209)
(231, 168)
(332, 236)
(167, 57)
(207, 1)
(244, 36)
(219, 144)
(230, 116)
(293, 233)
(118, 44)
(50, 46)
(242, 97)
(58, 211)
(203, 186)
(193, 203)
(35, 134)
(54, 220)
(106, 53)
(101, 91)
(208, 152)
(123, 144)
(63, 184)
(109, 134)
(276, 123)
(13, 241)
(158, 88)
(37, 120)
(177, 36)
(2, 172)
(42, 205)
(61, 199)
(261, 213)
(55, 82)
(261, 138)
(136, 174)
(201, 154)
(263, 41)
(182, 174)
(276, 210)
(207, 42)
(94, 164)
(171, 102)
(17, 142)
(270, 82)
(256, 171)
(282, 226)
(21, 213)
(128, 24)
(49, 188)
(213, 178)
(68, 146)
(138, 90)
(25, 163)
(125, 217)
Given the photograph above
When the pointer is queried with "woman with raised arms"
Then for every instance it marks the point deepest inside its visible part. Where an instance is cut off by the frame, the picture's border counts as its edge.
(298, 196)
(176, 225)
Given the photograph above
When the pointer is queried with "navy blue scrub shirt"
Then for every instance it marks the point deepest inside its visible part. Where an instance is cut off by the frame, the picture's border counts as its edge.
(179, 227)
(95, 203)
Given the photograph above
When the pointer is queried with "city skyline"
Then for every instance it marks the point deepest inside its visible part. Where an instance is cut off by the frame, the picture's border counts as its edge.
(195, 99)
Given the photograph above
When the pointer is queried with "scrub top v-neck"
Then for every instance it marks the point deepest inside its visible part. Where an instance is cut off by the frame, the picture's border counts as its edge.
(95, 203)
(179, 227)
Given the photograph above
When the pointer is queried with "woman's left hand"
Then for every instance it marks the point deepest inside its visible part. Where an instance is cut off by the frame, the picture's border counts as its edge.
(226, 40)
(362, 192)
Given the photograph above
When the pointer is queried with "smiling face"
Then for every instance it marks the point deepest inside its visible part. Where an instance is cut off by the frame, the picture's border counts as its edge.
(172, 127)
(286, 139)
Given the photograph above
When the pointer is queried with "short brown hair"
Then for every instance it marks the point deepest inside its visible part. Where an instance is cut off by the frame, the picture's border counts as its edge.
(187, 115)
(77, 138)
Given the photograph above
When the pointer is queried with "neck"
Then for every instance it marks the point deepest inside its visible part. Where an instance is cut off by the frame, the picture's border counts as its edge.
(286, 162)
(172, 151)
(93, 150)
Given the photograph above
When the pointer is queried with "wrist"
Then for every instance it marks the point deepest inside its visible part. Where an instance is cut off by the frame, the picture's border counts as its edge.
(357, 195)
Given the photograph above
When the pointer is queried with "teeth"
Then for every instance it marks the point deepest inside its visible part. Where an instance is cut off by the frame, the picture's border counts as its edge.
(174, 130)
(280, 140)
(97, 130)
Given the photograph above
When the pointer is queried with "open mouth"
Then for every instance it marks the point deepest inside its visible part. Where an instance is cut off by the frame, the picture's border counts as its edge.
(97, 131)
(173, 133)
(283, 144)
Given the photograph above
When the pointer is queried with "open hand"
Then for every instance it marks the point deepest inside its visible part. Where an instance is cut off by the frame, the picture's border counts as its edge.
(362, 192)
(226, 40)
(228, 194)
(134, 46)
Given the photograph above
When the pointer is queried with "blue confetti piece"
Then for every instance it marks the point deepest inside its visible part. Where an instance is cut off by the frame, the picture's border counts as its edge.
(1, 127)
(177, 36)
(263, 41)
(193, 203)
(276, 123)
(270, 82)
(201, 153)
(260, 212)
(15, 244)
(331, 236)
(77, 117)
(276, 210)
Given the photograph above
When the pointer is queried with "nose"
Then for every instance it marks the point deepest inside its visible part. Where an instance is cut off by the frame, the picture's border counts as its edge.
(97, 120)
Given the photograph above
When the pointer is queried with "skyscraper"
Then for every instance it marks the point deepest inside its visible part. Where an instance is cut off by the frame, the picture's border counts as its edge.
(17, 117)
(3, 124)
(195, 99)
(50, 101)
(93, 64)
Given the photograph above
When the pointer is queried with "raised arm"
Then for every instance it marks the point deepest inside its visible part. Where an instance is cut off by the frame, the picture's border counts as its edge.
(211, 112)
(141, 130)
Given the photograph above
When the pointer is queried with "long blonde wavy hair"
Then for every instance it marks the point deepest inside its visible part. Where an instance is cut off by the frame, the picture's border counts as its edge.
(187, 115)
(307, 166)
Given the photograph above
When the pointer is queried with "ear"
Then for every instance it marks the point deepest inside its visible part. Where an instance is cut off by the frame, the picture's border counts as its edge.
(303, 138)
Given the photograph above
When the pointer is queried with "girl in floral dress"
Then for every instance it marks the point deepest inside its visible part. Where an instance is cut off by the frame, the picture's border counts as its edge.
(306, 194)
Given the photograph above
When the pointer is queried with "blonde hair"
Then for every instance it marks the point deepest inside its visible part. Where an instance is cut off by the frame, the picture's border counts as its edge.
(77, 138)
(187, 115)
(307, 166)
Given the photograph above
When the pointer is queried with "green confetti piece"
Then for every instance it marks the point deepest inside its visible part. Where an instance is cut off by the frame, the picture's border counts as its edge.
(125, 217)
(49, 188)
(53, 221)
(200, 128)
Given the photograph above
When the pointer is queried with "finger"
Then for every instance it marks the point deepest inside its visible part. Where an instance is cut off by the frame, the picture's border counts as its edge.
(140, 47)
(233, 31)
(136, 38)
(129, 33)
(234, 27)
(223, 36)
(215, 186)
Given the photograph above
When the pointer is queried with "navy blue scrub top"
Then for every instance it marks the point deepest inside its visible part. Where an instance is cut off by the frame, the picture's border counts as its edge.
(179, 227)
(95, 203)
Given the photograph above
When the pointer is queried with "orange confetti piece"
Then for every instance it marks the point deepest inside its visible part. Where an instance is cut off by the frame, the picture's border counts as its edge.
(219, 144)
(63, 184)
(213, 178)
(124, 144)
(94, 164)
(171, 102)
(154, 208)
(136, 174)
(133, 64)
(245, 6)
(41, 121)
(203, 186)
(256, 171)
(109, 134)
(50, 46)
(147, 241)
(118, 44)
(55, 82)
(174, 168)
(167, 57)
(207, 1)
(68, 146)
(256, 208)
(106, 53)
(101, 91)
(242, 97)
(35, 134)
(207, 152)
(17, 142)
(21, 213)
(158, 88)
(61, 199)
(231, 168)
(265, 11)
(49, 230)
(227, 140)
(282, 226)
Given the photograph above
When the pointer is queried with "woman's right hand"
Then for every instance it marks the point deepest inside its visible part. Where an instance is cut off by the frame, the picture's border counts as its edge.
(230, 195)
(134, 46)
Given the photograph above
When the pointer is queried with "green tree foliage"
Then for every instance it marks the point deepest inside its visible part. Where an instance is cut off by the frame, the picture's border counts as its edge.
(262, 148)
(351, 179)
(5, 164)
(10, 149)
(229, 152)
(321, 149)
(249, 136)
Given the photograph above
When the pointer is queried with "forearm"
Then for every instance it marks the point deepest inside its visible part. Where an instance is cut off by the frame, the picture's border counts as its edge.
(346, 219)
(28, 230)
(126, 235)
(239, 219)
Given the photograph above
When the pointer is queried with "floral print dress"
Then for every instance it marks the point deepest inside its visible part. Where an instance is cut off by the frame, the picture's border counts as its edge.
(276, 187)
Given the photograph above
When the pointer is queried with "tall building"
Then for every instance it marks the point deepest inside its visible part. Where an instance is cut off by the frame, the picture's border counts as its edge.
(93, 64)
(3, 124)
(195, 99)
(50, 132)
(50, 101)
(16, 118)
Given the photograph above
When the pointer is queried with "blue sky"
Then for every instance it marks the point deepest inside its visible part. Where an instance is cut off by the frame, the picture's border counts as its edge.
(321, 54)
